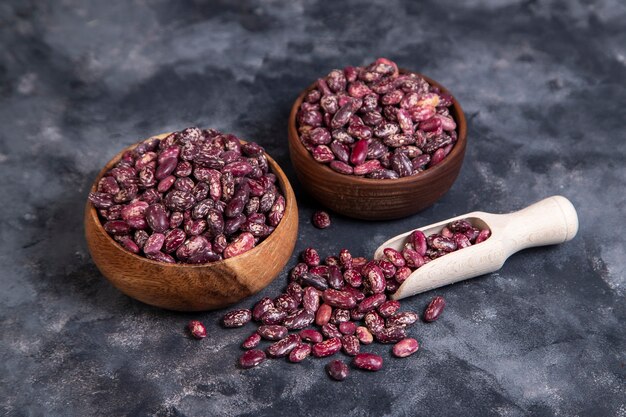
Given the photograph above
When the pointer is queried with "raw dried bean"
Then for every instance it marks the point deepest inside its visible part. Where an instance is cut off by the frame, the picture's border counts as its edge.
(251, 358)
(437, 157)
(299, 319)
(394, 257)
(311, 299)
(350, 344)
(327, 348)
(364, 335)
(402, 274)
(296, 291)
(418, 240)
(320, 270)
(140, 237)
(367, 167)
(336, 298)
(405, 347)
(357, 294)
(154, 243)
(388, 308)
(272, 331)
(283, 347)
(341, 151)
(116, 227)
(273, 316)
(323, 315)
(323, 154)
(243, 243)
(374, 322)
(310, 335)
(101, 200)
(311, 257)
(342, 116)
(368, 361)
(434, 309)
(300, 353)
(353, 278)
(197, 329)
(156, 217)
(482, 236)
(286, 303)
(321, 219)
(237, 318)
(389, 270)
(405, 318)
(374, 278)
(383, 174)
(339, 316)
(356, 315)
(413, 258)
(460, 226)
(329, 331)
(314, 280)
(262, 306)
(298, 270)
(461, 241)
(401, 164)
(127, 243)
(251, 341)
(443, 243)
(337, 370)
(347, 327)
(359, 152)
(160, 257)
(390, 334)
(370, 303)
(335, 278)
(341, 167)
(345, 259)
(392, 286)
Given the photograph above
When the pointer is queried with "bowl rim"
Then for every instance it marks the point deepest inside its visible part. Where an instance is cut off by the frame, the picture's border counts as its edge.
(274, 167)
(425, 176)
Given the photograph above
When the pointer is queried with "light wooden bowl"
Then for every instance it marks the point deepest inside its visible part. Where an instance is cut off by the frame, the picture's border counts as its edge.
(194, 287)
(371, 199)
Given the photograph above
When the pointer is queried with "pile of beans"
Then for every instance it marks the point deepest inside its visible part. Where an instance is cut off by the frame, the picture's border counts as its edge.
(324, 304)
(343, 302)
(373, 121)
(195, 196)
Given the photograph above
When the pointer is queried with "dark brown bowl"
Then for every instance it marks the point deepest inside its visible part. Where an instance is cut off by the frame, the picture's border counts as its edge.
(185, 287)
(372, 199)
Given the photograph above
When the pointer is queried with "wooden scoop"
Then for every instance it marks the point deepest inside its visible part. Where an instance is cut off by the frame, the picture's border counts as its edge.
(547, 222)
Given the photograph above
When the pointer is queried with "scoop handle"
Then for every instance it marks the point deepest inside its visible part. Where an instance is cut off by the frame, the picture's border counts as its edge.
(547, 222)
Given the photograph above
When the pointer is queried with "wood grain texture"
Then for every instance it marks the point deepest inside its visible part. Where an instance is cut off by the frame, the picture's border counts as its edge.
(370, 199)
(194, 287)
(548, 222)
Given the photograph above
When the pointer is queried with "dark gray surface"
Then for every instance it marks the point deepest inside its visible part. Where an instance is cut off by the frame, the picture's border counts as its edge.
(543, 87)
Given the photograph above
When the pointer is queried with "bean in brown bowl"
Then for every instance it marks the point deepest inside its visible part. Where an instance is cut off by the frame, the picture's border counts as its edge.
(355, 150)
(195, 196)
(375, 122)
(194, 282)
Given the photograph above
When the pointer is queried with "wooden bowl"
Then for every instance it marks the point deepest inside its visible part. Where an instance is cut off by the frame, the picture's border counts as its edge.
(185, 287)
(371, 199)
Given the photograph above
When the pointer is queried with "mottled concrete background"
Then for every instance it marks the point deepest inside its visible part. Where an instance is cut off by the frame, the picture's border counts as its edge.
(543, 84)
